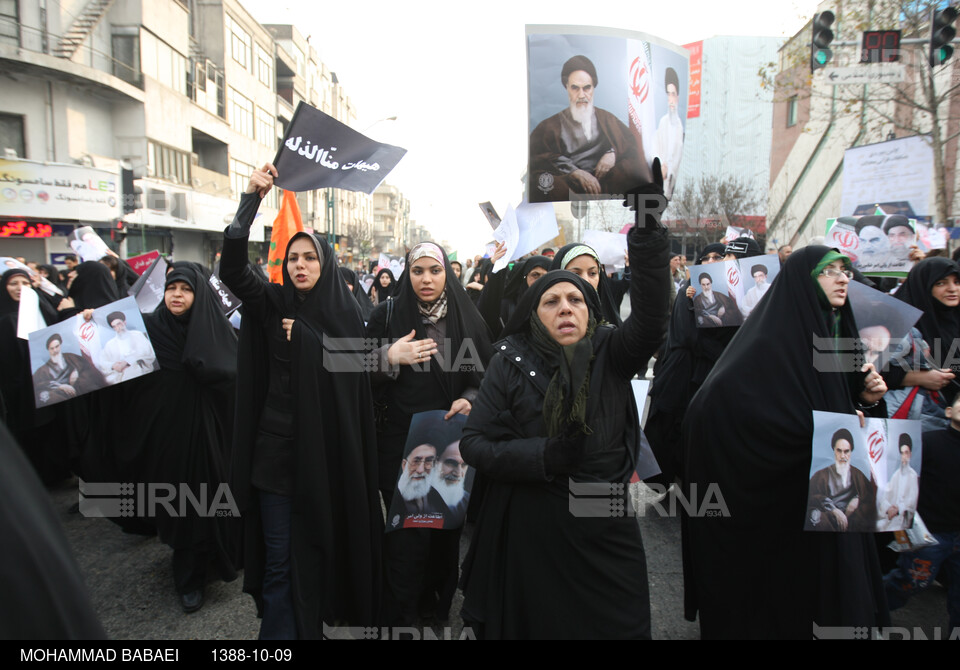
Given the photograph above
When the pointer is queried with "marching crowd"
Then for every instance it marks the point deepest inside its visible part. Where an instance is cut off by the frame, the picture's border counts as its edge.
(310, 451)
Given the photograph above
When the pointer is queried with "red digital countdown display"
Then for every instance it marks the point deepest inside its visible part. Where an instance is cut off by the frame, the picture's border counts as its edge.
(880, 46)
(24, 229)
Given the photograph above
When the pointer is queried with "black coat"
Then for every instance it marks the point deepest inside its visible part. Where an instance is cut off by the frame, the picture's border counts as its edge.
(515, 582)
(44, 597)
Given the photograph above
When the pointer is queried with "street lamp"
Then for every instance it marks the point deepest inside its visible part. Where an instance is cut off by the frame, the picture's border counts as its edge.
(386, 118)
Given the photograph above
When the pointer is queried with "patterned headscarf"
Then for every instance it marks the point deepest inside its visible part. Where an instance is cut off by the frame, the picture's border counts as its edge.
(427, 249)
(579, 250)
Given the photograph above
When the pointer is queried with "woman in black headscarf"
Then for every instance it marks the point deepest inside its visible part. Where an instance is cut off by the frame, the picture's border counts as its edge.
(383, 287)
(350, 279)
(189, 442)
(922, 388)
(759, 468)
(479, 280)
(436, 347)
(86, 420)
(304, 461)
(51, 273)
(33, 428)
(556, 408)
(503, 292)
(583, 261)
(93, 286)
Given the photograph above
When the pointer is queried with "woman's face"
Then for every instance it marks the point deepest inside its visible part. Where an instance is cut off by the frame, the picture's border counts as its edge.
(564, 313)
(535, 274)
(835, 288)
(178, 297)
(947, 291)
(303, 264)
(428, 278)
(384, 280)
(587, 268)
(15, 285)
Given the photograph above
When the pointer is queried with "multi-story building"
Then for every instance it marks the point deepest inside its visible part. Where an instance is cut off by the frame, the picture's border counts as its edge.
(727, 130)
(815, 121)
(391, 220)
(189, 95)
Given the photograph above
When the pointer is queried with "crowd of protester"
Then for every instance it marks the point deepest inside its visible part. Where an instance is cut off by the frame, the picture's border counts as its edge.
(310, 453)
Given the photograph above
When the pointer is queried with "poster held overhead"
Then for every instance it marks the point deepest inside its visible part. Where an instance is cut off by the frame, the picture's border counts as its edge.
(524, 229)
(491, 214)
(878, 244)
(595, 96)
(87, 244)
(610, 247)
(320, 152)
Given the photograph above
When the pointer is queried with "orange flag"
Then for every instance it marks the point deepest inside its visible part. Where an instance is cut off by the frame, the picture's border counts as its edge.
(287, 224)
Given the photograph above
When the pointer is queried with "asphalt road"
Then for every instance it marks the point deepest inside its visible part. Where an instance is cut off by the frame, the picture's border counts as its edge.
(131, 585)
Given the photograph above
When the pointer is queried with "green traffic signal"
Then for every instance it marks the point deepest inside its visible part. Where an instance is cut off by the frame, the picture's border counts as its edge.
(942, 33)
(821, 38)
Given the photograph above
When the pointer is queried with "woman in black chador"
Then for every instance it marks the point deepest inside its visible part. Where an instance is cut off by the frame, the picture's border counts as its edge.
(350, 279)
(188, 443)
(384, 286)
(34, 429)
(503, 291)
(435, 346)
(556, 408)
(304, 461)
(750, 569)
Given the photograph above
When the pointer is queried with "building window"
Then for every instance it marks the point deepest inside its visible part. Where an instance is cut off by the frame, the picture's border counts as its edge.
(240, 42)
(9, 23)
(266, 128)
(241, 113)
(167, 163)
(301, 62)
(163, 63)
(126, 56)
(264, 67)
(11, 134)
(792, 111)
(240, 175)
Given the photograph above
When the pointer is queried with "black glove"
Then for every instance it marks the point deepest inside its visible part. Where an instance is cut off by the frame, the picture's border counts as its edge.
(650, 199)
(564, 452)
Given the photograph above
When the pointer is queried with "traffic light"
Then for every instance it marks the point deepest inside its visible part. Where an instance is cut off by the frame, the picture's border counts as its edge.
(820, 53)
(130, 194)
(942, 33)
(119, 232)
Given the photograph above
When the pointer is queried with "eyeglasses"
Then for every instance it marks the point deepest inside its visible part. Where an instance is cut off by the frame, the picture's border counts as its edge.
(712, 257)
(420, 460)
(834, 273)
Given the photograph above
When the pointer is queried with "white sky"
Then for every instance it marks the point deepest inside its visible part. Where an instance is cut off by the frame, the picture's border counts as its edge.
(454, 75)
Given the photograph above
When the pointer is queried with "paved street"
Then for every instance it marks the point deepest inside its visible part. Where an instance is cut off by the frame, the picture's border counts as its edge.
(131, 585)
